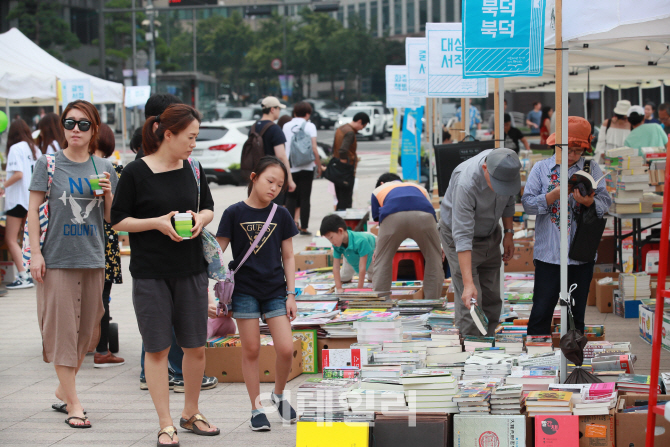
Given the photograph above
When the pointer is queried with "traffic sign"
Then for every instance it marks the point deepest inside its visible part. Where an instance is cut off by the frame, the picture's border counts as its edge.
(276, 64)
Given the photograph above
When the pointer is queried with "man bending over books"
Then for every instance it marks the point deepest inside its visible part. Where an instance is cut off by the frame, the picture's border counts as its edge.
(541, 197)
(481, 192)
(404, 211)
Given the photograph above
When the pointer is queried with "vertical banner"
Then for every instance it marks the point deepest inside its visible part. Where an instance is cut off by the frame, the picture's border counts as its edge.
(416, 55)
(411, 144)
(73, 89)
(286, 85)
(503, 38)
(395, 142)
(445, 64)
(397, 90)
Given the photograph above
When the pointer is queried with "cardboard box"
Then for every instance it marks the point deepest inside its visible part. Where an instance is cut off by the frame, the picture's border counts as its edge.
(332, 343)
(631, 428)
(522, 261)
(646, 323)
(605, 297)
(625, 308)
(597, 430)
(315, 261)
(603, 268)
(591, 300)
(226, 363)
(8, 271)
(416, 295)
(373, 227)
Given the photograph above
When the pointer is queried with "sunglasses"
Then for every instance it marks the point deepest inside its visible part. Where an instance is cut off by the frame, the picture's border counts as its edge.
(84, 125)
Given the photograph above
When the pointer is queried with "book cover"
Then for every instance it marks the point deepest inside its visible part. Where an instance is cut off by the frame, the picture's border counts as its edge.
(499, 431)
(556, 430)
(481, 321)
(559, 398)
(584, 182)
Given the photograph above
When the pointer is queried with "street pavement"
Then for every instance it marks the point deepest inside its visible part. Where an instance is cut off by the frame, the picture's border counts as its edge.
(122, 414)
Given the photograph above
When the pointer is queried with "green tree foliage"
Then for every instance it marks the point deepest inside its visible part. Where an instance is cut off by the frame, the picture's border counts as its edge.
(42, 22)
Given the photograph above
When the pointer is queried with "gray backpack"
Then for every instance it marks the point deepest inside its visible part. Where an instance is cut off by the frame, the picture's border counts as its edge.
(301, 147)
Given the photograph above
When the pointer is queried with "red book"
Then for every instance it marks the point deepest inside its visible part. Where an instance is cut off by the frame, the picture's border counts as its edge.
(556, 431)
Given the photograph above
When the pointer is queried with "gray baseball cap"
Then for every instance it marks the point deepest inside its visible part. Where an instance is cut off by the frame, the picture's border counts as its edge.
(504, 171)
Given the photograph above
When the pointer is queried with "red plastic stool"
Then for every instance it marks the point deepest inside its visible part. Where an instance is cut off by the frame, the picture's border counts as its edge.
(415, 256)
(352, 223)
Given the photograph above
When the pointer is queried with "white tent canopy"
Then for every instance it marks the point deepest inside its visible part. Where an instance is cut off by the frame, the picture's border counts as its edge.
(626, 43)
(18, 50)
(19, 84)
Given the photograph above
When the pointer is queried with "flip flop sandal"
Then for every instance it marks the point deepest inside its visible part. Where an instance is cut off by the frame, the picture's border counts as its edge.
(61, 407)
(84, 420)
(170, 431)
(190, 425)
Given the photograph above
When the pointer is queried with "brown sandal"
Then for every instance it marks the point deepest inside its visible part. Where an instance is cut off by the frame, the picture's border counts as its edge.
(170, 431)
(190, 425)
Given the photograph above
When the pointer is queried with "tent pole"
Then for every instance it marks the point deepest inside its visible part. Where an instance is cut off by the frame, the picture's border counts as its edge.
(9, 117)
(499, 134)
(639, 95)
(123, 120)
(465, 116)
(561, 137)
(619, 92)
(662, 92)
(602, 105)
(586, 105)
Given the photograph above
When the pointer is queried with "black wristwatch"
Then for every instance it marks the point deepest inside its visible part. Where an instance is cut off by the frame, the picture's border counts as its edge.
(508, 230)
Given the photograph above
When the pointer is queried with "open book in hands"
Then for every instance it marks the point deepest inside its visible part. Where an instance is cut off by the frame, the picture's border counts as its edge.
(584, 182)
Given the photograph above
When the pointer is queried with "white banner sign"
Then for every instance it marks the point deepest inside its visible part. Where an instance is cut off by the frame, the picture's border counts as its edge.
(137, 95)
(397, 89)
(416, 53)
(445, 64)
(73, 89)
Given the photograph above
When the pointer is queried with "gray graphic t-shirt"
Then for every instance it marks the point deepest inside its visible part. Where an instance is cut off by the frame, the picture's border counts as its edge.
(75, 236)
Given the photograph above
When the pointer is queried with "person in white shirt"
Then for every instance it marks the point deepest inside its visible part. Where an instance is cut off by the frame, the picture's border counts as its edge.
(51, 135)
(22, 152)
(613, 131)
(302, 175)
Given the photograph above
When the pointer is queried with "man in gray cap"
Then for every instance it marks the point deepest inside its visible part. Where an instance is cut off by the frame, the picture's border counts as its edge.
(481, 191)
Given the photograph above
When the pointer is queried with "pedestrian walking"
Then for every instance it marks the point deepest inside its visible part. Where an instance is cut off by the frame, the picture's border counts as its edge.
(475, 119)
(614, 130)
(541, 198)
(300, 136)
(547, 112)
(274, 140)
(103, 357)
(155, 105)
(169, 271)
(51, 135)
(69, 270)
(643, 135)
(259, 233)
(344, 147)
(481, 192)
(534, 118)
(22, 152)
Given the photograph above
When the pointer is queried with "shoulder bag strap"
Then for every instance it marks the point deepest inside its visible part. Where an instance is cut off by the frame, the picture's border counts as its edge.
(258, 238)
(51, 168)
(196, 174)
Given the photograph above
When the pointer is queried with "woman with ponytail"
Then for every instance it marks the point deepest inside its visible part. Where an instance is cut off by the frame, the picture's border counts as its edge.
(169, 271)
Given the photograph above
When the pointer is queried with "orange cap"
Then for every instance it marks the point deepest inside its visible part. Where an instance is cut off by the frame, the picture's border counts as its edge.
(579, 133)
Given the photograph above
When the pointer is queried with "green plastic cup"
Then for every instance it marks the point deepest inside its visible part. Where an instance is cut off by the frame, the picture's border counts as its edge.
(183, 223)
(94, 180)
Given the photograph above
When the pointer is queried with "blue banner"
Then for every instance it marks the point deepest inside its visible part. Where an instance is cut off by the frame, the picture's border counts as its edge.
(503, 38)
(411, 144)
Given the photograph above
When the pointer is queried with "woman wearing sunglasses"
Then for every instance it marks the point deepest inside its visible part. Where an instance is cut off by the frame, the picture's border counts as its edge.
(69, 270)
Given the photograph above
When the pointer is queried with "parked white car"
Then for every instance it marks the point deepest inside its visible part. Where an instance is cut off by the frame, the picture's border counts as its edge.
(218, 146)
(388, 114)
(376, 127)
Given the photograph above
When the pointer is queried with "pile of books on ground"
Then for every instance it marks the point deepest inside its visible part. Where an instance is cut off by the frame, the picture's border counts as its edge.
(365, 299)
(636, 383)
(376, 400)
(635, 286)
(379, 327)
(549, 402)
(430, 390)
(473, 400)
(628, 182)
(507, 399)
(539, 344)
(324, 396)
(488, 364)
(597, 398)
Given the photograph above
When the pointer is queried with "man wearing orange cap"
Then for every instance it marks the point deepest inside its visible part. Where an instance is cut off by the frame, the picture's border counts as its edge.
(541, 198)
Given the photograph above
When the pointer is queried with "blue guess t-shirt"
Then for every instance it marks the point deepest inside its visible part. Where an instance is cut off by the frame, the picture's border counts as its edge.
(262, 274)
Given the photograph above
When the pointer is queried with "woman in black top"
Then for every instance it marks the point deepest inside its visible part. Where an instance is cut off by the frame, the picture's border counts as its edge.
(169, 273)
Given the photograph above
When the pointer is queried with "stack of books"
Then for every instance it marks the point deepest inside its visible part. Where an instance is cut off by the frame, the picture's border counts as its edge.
(379, 327)
(599, 398)
(442, 318)
(512, 343)
(376, 400)
(549, 402)
(471, 342)
(507, 399)
(417, 357)
(372, 371)
(430, 390)
(635, 286)
(473, 400)
(635, 383)
(341, 372)
(446, 354)
(342, 326)
(387, 384)
(533, 380)
(317, 395)
(487, 364)
(538, 344)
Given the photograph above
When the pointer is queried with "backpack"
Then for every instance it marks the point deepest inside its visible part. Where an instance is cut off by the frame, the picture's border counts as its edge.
(301, 147)
(253, 150)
